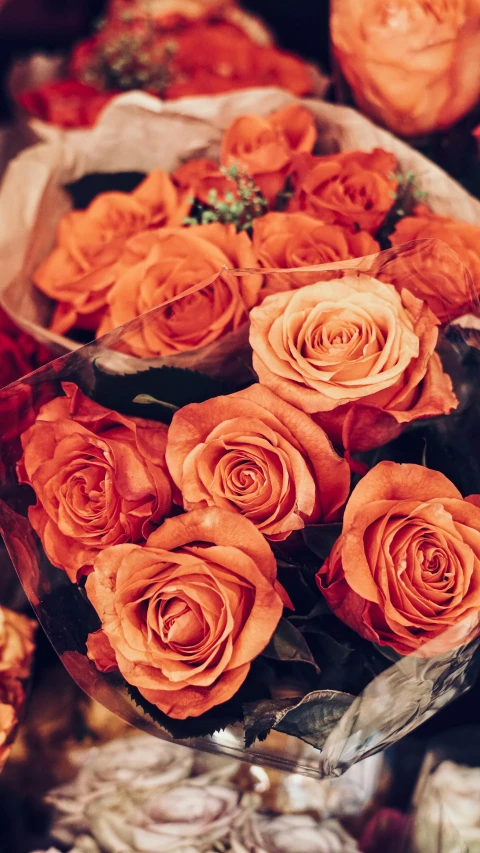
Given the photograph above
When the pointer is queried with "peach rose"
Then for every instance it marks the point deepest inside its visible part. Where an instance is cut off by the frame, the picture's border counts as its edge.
(354, 353)
(90, 241)
(188, 612)
(201, 176)
(284, 240)
(255, 454)
(265, 145)
(99, 477)
(412, 65)
(157, 266)
(16, 644)
(353, 189)
(448, 295)
(262, 146)
(407, 565)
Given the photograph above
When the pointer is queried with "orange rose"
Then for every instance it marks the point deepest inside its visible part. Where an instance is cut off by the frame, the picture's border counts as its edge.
(412, 65)
(353, 189)
(89, 241)
(265, 145)
(201, 176)
(188, 612)
(255, 454)
(447, 294)
(284, 240)
(99, 478)
(356, 354)
(407, 565)
(159, 265)
(16, 644)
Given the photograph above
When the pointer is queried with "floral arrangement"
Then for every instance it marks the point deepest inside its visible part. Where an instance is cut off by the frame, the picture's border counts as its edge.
(170, 50)
(268, 203)
(17, 645)
(140, 794)
(201, 525)
(411, 67)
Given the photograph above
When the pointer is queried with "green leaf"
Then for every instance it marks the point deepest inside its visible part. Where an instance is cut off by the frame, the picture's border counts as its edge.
(320, 538)
(321, 608)
(287, 644)
(156, 392)
(147, 399)
(311, 718)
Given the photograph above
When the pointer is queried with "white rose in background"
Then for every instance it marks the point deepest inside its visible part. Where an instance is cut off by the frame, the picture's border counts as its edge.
(188, 818)
(447, 817)
(291, 834)
(137, 762)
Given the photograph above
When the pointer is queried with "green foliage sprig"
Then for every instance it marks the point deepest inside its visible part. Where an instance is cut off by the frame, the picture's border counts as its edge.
(132, 60)
(239, 207)
(408, 194)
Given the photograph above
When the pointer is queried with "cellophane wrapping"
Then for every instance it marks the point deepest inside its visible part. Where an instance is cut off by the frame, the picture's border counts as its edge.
(337, 715)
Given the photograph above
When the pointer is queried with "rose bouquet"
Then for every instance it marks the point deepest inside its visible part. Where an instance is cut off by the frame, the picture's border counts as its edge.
(277, 529)
(170, 49)
(257, 181)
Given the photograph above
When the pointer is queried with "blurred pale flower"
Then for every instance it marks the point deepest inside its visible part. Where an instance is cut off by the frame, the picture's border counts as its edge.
(188, 818)
(447, 818)
(137, 762)
(291, 834)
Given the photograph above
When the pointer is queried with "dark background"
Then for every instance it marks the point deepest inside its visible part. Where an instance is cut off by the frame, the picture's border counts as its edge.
(26, 26)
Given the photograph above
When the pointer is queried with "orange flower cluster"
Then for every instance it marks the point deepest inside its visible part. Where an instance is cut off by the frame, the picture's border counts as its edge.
(16, 650)
(130, 252)
(177, 528)
(173, 49)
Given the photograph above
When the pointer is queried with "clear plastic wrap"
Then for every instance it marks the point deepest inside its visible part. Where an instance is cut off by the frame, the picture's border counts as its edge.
(339, 709)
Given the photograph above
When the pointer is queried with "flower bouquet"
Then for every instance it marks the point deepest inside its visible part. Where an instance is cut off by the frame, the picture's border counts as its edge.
(275, 530)
(252, 180)
(169, 49)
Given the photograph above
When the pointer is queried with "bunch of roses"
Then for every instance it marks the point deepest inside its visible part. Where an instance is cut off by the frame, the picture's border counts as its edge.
(170, 50)
(16, 651)
(130, 252)
(140, 794)
(176, 527)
